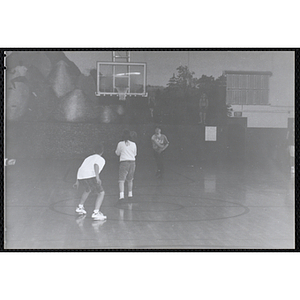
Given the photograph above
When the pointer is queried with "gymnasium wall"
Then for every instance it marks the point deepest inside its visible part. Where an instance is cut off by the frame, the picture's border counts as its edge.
(71, 140)
(187, 142)
(267, 146)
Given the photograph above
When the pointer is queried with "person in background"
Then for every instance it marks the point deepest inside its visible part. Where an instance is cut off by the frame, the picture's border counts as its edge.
(203, 105)
(127, 151)
(291, 148)
(159, 144)
(151, 104)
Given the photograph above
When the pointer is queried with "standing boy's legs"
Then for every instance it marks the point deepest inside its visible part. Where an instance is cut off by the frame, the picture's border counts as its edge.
(130, 176)
(130, 186)
(123, 171)
(121, 189)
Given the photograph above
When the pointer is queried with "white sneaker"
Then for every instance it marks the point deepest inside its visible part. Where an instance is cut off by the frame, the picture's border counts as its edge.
(98, 216)
(130, 194)
(80, 210)
(293, 170)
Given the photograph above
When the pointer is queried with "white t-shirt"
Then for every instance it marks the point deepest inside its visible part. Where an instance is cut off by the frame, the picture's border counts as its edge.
(86, 170)
(126, 151)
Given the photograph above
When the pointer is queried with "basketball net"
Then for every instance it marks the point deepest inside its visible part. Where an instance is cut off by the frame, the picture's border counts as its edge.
(122, 91)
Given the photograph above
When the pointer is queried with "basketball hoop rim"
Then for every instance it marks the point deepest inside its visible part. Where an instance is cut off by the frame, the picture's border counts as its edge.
(122, 91)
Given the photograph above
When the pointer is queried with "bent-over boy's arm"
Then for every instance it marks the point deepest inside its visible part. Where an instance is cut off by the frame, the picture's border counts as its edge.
(96, 169)
(76, 184)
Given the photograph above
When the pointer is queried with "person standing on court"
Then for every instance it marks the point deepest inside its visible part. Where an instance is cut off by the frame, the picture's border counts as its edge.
(127, 151)
(159, 144)
(88, 175)
(203, 105)
(291, 147)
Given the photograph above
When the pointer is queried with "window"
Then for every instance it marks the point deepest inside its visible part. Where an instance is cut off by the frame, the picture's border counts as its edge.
(247, 88)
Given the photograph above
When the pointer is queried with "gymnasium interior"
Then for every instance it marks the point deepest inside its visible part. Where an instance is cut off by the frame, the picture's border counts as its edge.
(229, 179)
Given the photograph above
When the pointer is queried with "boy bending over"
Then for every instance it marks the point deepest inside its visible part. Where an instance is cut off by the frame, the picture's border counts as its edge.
(88, 175)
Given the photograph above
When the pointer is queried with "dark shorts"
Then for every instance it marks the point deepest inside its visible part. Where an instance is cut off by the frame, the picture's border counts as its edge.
(126, 170)
(91, 185)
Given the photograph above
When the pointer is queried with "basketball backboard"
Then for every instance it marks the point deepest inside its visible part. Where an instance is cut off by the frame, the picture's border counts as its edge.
(115, 78)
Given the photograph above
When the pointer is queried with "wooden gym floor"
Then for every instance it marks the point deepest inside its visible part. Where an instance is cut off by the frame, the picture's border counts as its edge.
(193, 207)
